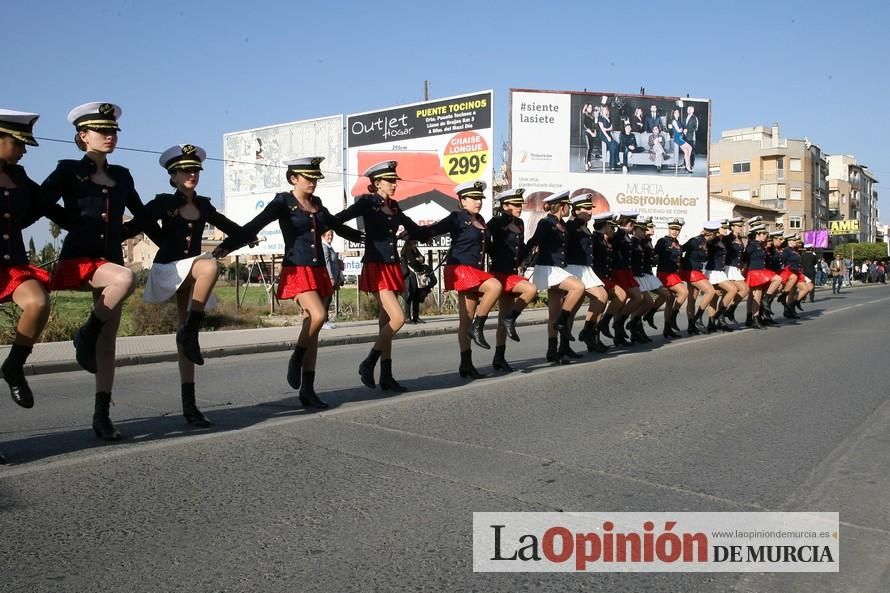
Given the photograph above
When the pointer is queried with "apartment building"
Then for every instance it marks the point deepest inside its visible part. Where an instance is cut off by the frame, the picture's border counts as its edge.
(852, 195)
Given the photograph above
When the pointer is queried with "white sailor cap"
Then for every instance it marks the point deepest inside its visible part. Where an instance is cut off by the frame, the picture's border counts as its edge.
(101, 116)
(584, 200)
(712, 226)
(647, 220)
(776, 234)
(182, 156)
(603, 216)
(471, 189)
(511, 196)
(629, 214)
(307, 166)
(19, 125)
(808, 245)
(562, 196)
(758, 228)
(384, 170)
(737, 221)
(676, 223)
(755, 220)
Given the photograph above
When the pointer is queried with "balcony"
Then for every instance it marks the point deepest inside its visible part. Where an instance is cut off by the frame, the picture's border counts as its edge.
(775, 204)
(772, 175)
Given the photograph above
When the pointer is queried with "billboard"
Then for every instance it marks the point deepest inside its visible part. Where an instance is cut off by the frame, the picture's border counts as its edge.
(633, 152)
(843, 227)
(254, 173)
(438, 145)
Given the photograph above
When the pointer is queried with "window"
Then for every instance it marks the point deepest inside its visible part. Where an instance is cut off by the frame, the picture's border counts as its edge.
(795, 193)
(742, 167)
(742, 194)
(794, 222)
(714, 170)
(794, 164)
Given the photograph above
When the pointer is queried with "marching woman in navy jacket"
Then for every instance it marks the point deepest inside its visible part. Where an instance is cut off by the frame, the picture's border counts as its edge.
(564, 291)
(668, 253)
(758, 277)
(94, 195)
(381, 265)
(304, 276)
(579, 263)
(477, 290)
(506, 257)
(692, 265)
(179, 267)
(20, 282)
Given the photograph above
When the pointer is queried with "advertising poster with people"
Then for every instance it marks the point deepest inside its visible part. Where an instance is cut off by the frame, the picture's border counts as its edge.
(633, 152)
(437, 144)
(254, 170)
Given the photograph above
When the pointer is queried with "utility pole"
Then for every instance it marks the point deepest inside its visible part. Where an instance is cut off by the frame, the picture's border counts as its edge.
(426, 90)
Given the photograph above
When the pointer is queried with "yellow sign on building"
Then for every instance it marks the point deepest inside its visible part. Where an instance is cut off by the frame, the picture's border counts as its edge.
(843, 227)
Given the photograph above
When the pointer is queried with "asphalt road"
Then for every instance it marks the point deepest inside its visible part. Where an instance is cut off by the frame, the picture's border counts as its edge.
(378, 493)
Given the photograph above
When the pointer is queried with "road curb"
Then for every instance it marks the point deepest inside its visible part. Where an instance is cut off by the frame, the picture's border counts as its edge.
(51, 367)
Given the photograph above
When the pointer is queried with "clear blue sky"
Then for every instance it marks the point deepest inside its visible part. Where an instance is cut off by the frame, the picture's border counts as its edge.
(189, 71)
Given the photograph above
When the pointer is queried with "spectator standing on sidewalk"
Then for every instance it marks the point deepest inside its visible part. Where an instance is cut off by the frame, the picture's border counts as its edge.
(335, 271)
(418, 280)
(848, 266)
(838, 272)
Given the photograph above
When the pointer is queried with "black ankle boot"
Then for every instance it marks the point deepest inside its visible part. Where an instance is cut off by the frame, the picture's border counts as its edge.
(603, 325)
(699, 325)
(674, 324)
(102, 425)
(692, 328)
(712, 325)
(14, 374)
(598, 345)
(85, 339)
(586, 335)
(797, 304)
(386, 379)
(366, 368)
(476, 332)
(466, 368)
(308, 397)
(295, 366)
(755, 323)
(640, 331)
(190, 410)
(552, 351)
(620, 335)
(730, 313)
(649, 318)
(566, 351)
(722, 323)
(769, 303)
(187, 337)
(499, 363)
(509, 324)
(562, 326)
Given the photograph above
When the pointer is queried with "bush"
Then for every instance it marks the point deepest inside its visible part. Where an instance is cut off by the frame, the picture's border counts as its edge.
(145, 319)
(9, 319)
(60, 328)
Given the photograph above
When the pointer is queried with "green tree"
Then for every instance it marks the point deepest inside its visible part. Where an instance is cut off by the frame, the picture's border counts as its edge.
(47, 253)
(32, 251)
(862, 251)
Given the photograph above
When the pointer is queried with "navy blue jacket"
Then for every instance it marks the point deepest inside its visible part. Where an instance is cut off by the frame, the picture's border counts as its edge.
(380, 228)
(603, 255)
(300, 229)
(94, 214)
(639, 263)
(579, 248)
(507, 250)
(20, 207)
(755, 256)
(180, 237)
(716, 254)
(550, 238)
(791, 259)
(621, 243)
(695, 254)
(668, 253)
(734, 250)
(774, 259)
(469, 244)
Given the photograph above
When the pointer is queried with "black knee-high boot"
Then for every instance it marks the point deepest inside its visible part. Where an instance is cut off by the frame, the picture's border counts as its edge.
(552, 351)
(466, 368)
(499, 363)
(14, 374)
(190, 409)
(187, 337)
(562, 325)
(366, 368)
(85, 339)
(295, 366)
(509, 324)
(308, 397)
(386, 379)
(102, 425)
(476, 330)
(603, 325)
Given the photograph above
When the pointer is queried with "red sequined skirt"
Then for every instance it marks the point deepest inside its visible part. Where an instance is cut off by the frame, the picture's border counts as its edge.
(759, 278)
(376, 276)
(691, 275)
(787, 273)
(464, 278)
(72, 274)
(625, 279)
(294, 280)
(670, 278)
(508, 281)
(11, 277)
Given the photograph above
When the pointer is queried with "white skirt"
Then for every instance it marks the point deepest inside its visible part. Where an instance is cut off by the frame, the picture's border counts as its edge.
(585, 274)
(735, 274)
(165, 279)
(648, 282)
(546, 276)
(716, 276)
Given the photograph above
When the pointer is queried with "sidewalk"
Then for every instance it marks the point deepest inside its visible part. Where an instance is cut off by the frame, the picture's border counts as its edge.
(58, 357)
